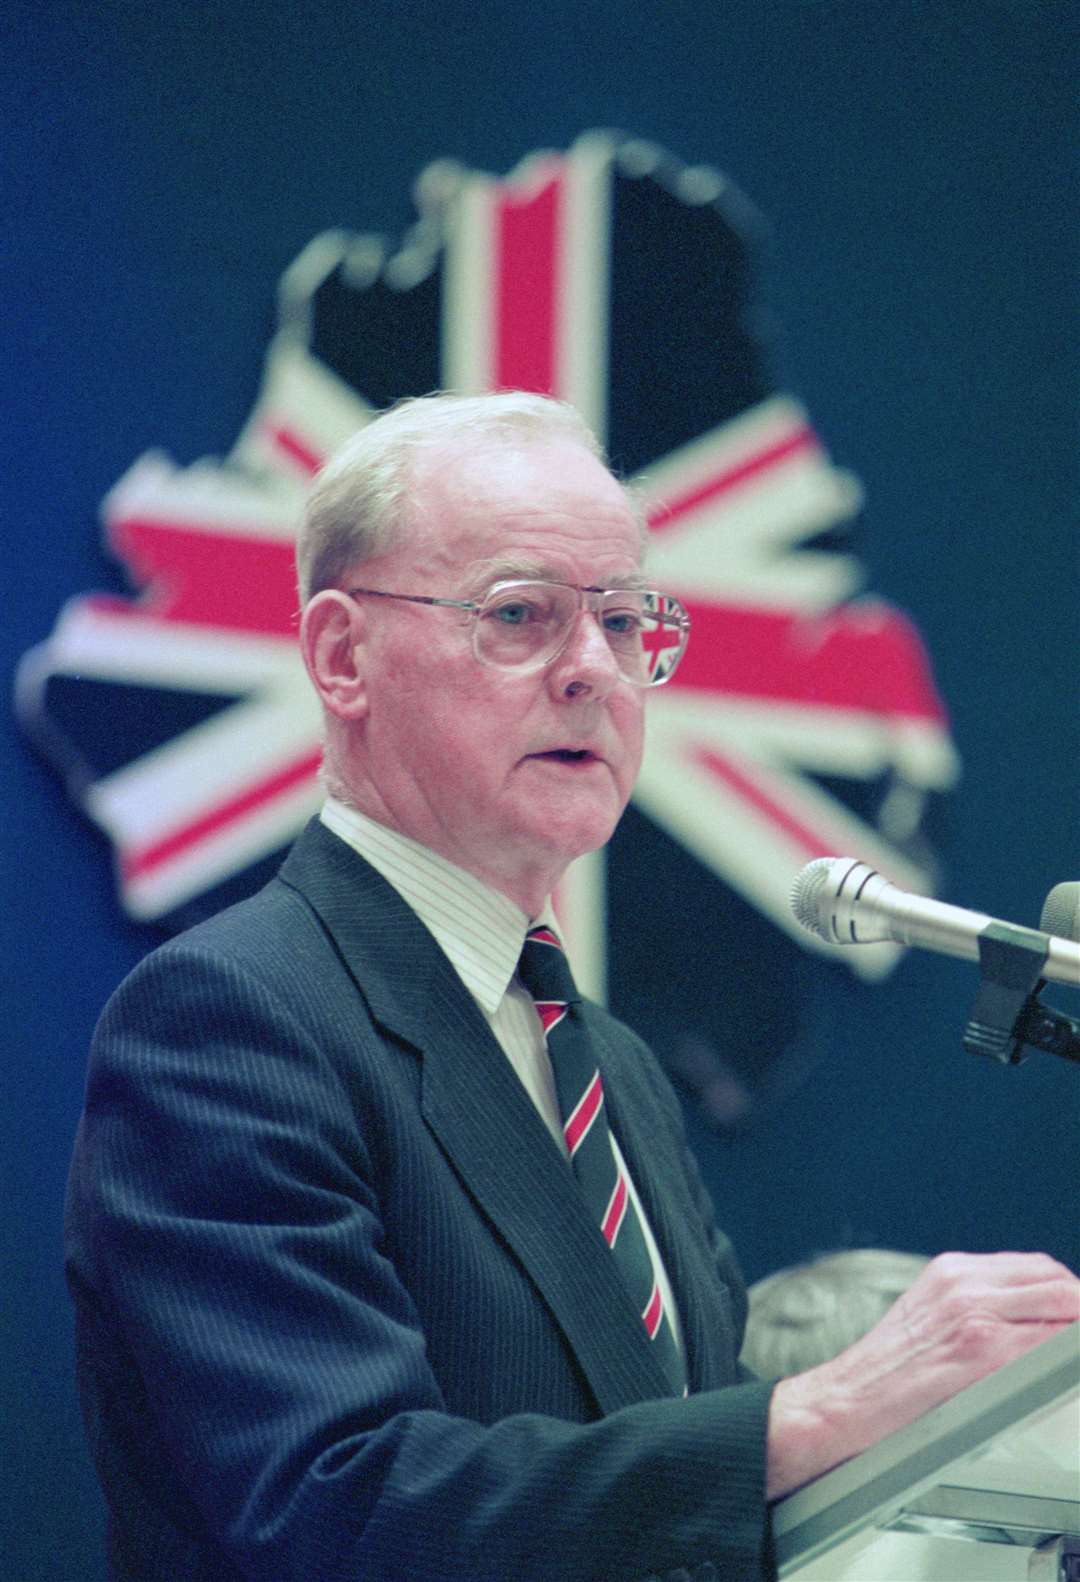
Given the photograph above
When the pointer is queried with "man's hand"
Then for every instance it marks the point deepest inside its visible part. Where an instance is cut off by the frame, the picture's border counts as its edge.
(963, 1317)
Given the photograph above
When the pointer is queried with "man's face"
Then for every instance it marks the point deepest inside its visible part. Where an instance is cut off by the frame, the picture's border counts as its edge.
(474, 761)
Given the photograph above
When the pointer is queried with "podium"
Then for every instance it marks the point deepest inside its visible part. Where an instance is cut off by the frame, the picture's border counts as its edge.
(984, 1488)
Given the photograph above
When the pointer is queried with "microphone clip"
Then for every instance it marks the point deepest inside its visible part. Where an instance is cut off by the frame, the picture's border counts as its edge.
(1008, 1015)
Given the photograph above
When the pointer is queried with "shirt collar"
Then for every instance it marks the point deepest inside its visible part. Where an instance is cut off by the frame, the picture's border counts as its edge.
(480, 930)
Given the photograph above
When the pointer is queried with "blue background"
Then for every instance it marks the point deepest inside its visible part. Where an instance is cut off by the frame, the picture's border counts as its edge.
(161, 167)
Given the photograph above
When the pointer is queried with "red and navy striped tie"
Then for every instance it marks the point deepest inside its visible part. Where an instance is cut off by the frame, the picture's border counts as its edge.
(545, 972)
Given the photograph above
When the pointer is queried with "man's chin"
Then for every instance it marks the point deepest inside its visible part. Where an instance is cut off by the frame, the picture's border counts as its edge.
(572, 833)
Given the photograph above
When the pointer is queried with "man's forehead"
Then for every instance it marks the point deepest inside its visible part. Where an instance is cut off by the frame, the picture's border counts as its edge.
(504, 512)
(514, 476)
(483, 574)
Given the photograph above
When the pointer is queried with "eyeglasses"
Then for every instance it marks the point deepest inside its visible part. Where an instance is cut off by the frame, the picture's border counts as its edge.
(523, 626)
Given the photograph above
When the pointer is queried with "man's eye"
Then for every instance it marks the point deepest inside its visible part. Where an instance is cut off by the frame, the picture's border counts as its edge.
(513, 614)
(623, 623)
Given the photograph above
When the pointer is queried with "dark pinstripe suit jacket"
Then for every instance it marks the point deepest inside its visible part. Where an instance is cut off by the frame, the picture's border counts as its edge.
(341, 1313)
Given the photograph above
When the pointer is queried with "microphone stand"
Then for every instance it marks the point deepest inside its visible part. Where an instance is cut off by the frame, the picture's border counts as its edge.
(1008, 1016)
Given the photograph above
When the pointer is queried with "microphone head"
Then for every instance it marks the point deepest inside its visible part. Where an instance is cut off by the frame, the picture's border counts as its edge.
(1061, 911)
(806, 894)
(823, 897)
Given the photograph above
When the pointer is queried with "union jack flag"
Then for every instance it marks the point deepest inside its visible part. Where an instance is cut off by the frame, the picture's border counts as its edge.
(803, 721)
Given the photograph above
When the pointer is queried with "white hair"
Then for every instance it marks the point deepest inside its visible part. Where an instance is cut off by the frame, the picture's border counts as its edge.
(358, 504)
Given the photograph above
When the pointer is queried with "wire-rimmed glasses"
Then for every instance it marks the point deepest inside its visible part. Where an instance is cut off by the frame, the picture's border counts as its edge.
(524, 625)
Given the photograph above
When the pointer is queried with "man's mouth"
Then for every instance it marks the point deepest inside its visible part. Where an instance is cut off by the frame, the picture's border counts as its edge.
(568, 755)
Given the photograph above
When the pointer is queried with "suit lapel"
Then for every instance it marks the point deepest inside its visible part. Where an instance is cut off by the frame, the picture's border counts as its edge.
(481, 1115)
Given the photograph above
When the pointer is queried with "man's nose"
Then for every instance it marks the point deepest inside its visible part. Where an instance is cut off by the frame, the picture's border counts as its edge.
(586, 663)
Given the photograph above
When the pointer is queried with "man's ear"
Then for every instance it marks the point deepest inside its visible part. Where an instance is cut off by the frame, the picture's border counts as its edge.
(332, 641)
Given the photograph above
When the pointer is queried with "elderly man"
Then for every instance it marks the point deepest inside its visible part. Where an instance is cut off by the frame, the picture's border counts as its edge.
(388, 1255)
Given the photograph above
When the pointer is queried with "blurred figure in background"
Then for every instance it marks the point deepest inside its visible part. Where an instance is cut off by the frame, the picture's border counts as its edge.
(810, 1312)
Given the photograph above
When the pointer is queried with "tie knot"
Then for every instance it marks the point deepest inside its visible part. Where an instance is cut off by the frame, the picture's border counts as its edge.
(544, 969)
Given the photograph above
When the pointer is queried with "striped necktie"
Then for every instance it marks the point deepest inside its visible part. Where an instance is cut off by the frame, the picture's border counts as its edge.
(545, 972)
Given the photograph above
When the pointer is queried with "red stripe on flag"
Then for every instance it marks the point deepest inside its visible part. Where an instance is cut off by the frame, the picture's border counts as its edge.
(812, 843)
(654, 1312)
(232, 582)
(286, 441)
(584, 1114)
(865, 656)
(616, 1211)
(527, 261)
(667, 513)
(136, 864)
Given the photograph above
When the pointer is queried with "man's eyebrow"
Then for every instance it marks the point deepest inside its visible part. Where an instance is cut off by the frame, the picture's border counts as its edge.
(503, 569)
(487, 572)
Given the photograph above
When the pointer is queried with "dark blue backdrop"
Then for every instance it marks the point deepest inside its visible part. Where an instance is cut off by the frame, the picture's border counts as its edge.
(162, 165)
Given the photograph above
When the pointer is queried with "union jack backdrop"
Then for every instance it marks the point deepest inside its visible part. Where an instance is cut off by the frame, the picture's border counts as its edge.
(803, 721)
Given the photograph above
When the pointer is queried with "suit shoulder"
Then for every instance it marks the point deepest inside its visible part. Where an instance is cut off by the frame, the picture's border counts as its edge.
(261, 952)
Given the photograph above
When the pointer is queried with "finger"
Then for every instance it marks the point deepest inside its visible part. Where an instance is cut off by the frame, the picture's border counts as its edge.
(1016, 1340)
(964, 1278)
(999, 1267)
(1049, 1301)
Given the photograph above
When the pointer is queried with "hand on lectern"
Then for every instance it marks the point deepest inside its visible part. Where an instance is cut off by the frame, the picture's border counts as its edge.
(964, 1316)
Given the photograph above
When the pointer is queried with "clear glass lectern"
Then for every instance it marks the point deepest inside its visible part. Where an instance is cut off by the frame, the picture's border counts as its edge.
(985, 1488)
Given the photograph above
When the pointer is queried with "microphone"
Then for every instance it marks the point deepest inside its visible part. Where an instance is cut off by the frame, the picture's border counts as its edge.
(1061, 911)
(845, 902)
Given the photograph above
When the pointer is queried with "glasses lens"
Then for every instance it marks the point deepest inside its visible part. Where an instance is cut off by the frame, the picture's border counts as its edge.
(646, 632)
(523, 623)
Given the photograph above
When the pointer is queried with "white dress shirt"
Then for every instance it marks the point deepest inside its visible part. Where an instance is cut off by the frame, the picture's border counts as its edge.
(482, 932)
